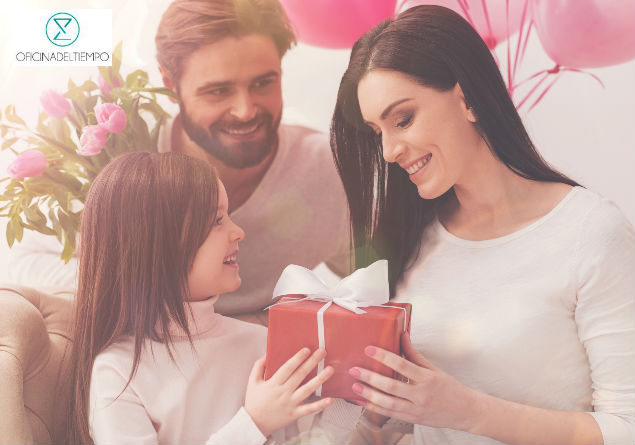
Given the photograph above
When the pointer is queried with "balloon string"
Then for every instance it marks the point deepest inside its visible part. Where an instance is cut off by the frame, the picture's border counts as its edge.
(464, 6)
(522, 102)
(510, 89)
(544, 92)
(523, 19)
(400, 7)
(529, 28)
(576, 70)
(546, 73)
(491, 38)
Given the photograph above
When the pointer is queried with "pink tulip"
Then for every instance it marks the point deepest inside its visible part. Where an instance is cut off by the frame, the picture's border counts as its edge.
(92, 140)
(110, 117)
(105, 87)
(27, 165)
(55, 104)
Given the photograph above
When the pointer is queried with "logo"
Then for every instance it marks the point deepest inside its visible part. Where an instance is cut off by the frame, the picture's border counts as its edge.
(62, 29)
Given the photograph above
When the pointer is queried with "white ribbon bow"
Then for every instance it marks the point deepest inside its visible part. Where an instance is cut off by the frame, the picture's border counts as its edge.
(364, 287)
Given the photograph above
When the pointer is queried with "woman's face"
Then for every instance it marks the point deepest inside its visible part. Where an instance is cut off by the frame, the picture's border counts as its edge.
(215, 268)
(429, 133)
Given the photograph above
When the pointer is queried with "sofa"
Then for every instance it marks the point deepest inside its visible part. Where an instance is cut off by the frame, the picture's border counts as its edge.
(34, 388)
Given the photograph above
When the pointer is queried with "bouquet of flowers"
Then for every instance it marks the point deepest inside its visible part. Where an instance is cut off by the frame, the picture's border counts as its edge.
(76, 135)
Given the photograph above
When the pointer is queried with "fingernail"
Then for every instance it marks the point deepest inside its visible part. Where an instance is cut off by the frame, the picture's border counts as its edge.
(370, 350)
(354, 372)
(305, 350)
(358, 388)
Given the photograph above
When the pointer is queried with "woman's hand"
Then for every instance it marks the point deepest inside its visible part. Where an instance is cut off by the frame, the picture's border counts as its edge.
(431, 397)
(275, 403)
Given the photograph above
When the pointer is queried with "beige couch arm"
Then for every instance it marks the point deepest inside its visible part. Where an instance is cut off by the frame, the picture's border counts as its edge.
(34, 335)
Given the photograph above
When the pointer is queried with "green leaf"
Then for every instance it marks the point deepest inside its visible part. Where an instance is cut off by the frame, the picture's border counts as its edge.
(69, 246)
(8, 143)
(80, 113)
(62, 197)
(55, 223)
(159, 90)
(156, 131)
(116, 59)
(18, 230)
(105, 73)
(39, 227)
(89, 85)
(137, 79)
(61, 131)
(10, 234)
(13, 117)
(90, 105)
(69, 181)
(34, 215)
(66, 221)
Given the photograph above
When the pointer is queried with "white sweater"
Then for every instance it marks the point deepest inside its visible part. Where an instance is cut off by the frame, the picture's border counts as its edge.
(197, 399)
(543, 316)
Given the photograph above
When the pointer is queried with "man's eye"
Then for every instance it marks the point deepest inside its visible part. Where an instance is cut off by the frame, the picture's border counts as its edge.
(218, 91)
(262, 83)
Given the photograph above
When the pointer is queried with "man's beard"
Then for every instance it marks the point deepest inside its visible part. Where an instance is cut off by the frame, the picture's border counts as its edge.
(241, 154)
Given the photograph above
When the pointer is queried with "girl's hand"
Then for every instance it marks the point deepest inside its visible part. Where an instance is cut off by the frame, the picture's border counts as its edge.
(431, 398)
(275, 403)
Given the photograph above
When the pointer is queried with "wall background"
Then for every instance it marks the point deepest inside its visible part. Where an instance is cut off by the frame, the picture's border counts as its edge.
(586, 131)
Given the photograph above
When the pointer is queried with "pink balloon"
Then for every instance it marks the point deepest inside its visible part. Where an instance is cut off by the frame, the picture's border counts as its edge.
(489, 17)
(336, 23)
(586, 33)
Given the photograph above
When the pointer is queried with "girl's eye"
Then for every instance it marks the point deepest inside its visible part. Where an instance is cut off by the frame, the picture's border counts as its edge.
(219, 221)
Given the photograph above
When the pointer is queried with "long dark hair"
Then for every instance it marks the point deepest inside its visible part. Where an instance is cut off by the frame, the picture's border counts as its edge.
(438, 48)
(145, 217)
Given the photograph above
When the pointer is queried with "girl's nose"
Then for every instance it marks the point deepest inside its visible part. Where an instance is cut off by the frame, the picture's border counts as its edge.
(237, 233)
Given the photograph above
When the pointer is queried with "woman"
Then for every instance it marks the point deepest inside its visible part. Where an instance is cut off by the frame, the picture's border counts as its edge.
(521, 280)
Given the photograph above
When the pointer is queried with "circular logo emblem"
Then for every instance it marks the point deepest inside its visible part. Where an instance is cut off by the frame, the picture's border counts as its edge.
(62, 29)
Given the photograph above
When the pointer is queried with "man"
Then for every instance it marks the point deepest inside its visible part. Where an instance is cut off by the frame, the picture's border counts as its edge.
(221, 58)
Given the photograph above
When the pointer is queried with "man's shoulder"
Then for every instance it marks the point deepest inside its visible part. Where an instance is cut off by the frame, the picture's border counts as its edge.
(304, 138)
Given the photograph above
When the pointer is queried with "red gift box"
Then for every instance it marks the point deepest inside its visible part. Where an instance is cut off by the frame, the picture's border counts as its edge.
(293, 325)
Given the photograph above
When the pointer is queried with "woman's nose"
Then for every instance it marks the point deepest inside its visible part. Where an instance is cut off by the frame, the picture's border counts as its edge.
(392, 150)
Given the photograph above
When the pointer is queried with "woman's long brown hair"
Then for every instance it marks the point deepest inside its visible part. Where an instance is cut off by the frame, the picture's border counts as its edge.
(437, 48)
(144, 219)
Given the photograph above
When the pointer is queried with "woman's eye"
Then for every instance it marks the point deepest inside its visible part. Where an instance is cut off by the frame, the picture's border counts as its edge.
(404, 122)
(219, 221)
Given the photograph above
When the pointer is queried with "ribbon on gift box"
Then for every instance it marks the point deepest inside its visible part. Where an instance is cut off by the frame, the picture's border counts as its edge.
(365, 287)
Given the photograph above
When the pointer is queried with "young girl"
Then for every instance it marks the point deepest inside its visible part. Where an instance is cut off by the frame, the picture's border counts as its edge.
(153, 362)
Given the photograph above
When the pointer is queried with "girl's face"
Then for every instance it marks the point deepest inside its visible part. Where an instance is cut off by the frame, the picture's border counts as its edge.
(429, 133)
(215, 268)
